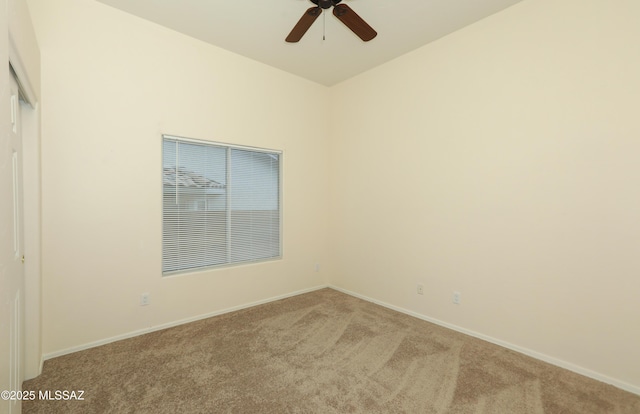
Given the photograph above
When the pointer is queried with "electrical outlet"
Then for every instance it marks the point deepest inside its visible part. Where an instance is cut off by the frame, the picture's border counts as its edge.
(420, 289)
(145, 299)
(456, 298)
(317, 268)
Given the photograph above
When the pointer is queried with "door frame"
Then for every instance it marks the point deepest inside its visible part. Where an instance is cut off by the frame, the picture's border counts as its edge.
(31, 167)
(16, 273)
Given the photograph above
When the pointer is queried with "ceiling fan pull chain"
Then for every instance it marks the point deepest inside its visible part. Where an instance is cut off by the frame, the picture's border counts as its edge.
(324, 25)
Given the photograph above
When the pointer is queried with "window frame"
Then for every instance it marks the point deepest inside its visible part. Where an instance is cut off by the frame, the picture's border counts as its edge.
(228, 147)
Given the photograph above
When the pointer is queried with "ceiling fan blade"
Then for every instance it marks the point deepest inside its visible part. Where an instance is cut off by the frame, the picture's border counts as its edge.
(354, 22)
(303, 24)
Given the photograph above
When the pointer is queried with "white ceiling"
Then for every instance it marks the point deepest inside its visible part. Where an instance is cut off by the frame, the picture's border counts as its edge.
(257, 29)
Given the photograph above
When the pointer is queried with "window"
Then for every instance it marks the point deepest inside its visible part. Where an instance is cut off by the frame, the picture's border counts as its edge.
(221, 204)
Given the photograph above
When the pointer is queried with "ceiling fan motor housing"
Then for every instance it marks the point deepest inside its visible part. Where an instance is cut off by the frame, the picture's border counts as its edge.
(325, 4)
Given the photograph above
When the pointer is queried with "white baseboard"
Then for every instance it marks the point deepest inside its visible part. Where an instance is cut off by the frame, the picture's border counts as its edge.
(537, 355)
(172, 324)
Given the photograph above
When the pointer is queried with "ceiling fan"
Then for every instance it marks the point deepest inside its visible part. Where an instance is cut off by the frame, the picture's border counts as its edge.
(343, 12)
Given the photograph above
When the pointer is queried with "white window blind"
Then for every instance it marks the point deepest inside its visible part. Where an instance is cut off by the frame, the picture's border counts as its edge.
(221, 205)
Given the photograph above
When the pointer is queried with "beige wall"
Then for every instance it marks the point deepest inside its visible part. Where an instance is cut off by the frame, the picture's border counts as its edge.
(502, 162)
(112, 84)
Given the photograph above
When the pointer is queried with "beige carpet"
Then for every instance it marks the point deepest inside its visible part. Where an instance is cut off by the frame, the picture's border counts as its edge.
(322, 352)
